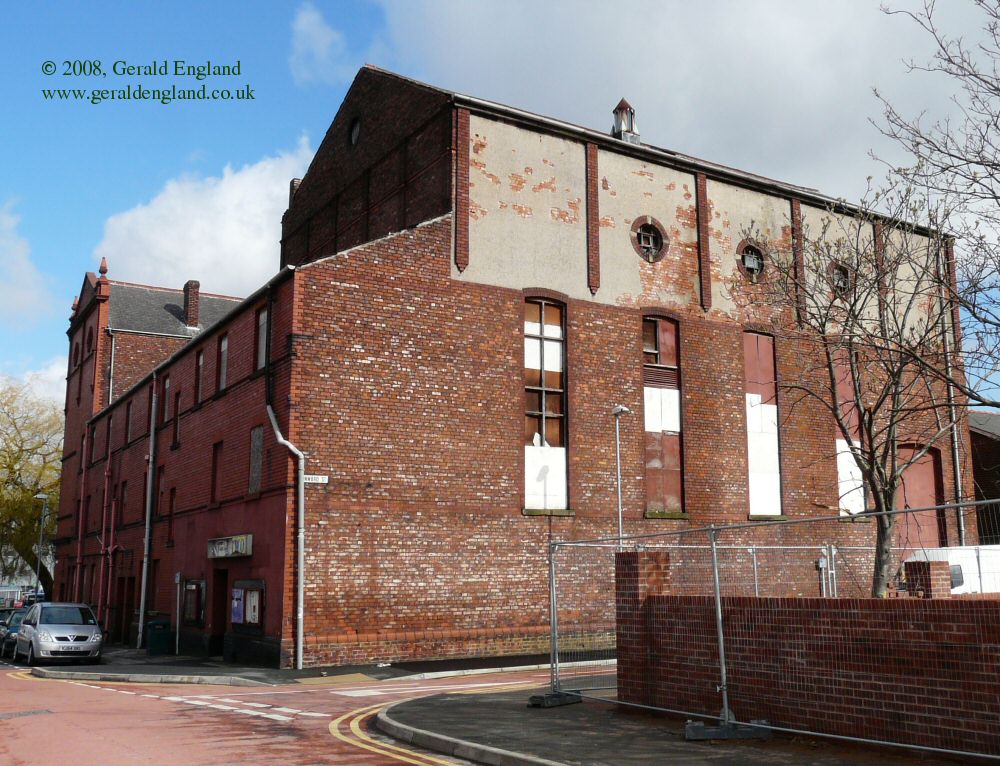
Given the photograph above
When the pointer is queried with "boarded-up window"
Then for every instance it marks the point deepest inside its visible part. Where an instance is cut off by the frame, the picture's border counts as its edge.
(662, 409)
(764, 475)
(261, 339)
(850, 486)
(545, 406)
(256, 458)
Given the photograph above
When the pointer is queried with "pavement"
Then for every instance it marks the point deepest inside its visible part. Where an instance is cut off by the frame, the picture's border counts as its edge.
(500, 728)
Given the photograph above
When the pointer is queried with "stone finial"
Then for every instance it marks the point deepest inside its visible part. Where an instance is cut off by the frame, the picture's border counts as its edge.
(103, 271)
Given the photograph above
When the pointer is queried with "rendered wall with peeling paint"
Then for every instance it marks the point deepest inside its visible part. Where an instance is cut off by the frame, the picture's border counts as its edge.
(735, 214)
(527, 212)
(629, 188)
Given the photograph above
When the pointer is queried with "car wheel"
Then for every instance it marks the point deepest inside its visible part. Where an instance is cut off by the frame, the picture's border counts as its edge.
(31, 655)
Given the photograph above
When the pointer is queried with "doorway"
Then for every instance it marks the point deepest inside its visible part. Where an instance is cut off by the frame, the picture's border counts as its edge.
(220, 612)
(922, 487)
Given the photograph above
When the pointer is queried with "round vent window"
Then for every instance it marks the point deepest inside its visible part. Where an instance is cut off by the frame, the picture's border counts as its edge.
(648, 239)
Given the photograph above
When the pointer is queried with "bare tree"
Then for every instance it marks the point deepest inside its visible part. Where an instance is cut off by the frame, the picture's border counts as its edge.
(861, 295)
(31, 431)
(956, 164)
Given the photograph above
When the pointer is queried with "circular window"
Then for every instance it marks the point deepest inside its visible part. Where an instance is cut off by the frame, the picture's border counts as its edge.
(355, 132)
(752, 259)
(648, 239)
(841, 279)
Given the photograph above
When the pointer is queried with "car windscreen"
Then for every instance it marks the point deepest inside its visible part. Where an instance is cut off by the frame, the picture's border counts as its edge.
(67, 615)
(15, 619)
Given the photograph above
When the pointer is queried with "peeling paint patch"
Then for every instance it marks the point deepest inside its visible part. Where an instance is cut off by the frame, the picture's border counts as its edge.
(567, 216)
(522, 210)
(517, 182)
(528, 170)
(476, 211)
(647, 174)
(607, 222)
(671, 186)
(503, 205)
(687, 216)
(549, 185)
(481, 167)
(478, 144)
(550, 163)
(647, 194)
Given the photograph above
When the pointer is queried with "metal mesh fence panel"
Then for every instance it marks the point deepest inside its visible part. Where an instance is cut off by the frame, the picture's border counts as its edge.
(778, 622)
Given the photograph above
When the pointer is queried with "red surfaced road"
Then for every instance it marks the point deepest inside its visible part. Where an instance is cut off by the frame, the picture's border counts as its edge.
(57, 722)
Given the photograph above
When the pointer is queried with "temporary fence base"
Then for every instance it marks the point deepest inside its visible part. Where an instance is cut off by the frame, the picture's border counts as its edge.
(697, 730)
(553, 699)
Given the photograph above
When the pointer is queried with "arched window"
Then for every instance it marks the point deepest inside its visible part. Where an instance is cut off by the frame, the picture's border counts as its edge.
(661, 385)
(545, 433)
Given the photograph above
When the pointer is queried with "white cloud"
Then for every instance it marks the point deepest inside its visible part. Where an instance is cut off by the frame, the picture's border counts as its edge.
(26, 297)
(319, 52)
(779, 89)
(48, 382)
(221, 230)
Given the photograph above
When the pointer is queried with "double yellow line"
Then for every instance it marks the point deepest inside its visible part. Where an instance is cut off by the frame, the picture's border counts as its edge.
(358, 738)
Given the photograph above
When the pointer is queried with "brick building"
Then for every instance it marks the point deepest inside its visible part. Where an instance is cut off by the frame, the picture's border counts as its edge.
(465, 292)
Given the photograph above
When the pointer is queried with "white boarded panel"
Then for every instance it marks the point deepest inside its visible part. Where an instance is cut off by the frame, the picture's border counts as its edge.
(653, 409)
(670, 399)
(765, 494)
(851, 488)
(764, 464)
(755, 420)
(532, 354)
(544, 478)
(532, 328)
(661, 409)
(553, 356)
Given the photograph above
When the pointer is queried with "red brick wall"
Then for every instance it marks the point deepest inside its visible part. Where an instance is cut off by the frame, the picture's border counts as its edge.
(398, 174)
(136, 355)
(904, 670)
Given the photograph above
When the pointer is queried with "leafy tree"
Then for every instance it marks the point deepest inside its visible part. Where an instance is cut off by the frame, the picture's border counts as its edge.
(31, 431)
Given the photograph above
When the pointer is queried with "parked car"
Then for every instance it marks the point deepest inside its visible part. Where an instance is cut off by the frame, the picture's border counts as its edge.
(57, 630)
(6, 612)
(9, 628)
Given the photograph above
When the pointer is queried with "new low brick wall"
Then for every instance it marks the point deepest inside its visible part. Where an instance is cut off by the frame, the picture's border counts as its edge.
(917, 671)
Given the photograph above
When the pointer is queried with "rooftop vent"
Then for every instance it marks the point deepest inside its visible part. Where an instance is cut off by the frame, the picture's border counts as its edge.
(624, 127)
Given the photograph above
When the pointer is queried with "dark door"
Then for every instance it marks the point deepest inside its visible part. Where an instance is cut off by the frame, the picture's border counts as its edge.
(220, 612)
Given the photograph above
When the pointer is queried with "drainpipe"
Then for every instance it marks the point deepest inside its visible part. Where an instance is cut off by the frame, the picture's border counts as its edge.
(150, 478)
(952, 411)
(104, 527)
(300, 541)
(77, 584)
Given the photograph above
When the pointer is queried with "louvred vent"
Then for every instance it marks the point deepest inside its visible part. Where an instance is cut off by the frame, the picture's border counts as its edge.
(660, 377)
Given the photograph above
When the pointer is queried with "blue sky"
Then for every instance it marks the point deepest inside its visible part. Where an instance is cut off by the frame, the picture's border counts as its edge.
(195, 190)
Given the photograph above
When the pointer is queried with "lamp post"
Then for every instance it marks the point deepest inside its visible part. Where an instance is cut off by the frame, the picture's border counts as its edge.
(618, 410)
(41, 528)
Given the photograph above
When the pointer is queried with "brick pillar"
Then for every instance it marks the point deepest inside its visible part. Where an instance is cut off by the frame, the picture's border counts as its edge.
(638, 575)
(932, 577)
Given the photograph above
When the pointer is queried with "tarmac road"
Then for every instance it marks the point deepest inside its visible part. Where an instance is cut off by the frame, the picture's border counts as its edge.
(318, 721)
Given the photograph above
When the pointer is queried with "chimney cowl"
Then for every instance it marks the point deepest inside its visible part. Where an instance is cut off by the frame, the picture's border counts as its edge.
(191, 299)
(625, 128)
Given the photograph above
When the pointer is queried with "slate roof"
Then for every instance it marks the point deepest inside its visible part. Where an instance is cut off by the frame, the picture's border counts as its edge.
(140, 308)
(986, 423)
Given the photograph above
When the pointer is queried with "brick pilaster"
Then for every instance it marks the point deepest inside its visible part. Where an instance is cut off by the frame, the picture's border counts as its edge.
(593, 223)
(462, 189)
(704, 256)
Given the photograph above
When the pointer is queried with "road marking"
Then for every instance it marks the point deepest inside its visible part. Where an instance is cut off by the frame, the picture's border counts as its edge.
(436, 688)
(362, 741)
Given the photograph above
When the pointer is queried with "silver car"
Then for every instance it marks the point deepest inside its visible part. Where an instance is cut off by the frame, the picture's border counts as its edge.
(59, 631)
